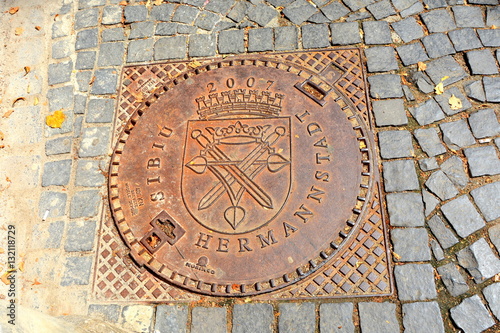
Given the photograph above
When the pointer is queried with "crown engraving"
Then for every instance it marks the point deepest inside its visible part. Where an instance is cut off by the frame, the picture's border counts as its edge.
(239, 102)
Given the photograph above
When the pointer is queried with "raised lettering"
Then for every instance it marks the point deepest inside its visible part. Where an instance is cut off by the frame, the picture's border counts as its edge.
(266, 241)
(203, 240)
(320, 158)
(302, 116)
(322, 175)
(303, 213)
(153, 180)
(166, 132)
(289, 229)
(157, 196)
(321, 143)
(244, 245)
(223, 244)
(158, 145)
(153, 163)
(316, 195)
(313, 128)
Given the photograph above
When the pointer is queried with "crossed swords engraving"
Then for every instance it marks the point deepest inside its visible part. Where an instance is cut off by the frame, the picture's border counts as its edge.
(236, 171)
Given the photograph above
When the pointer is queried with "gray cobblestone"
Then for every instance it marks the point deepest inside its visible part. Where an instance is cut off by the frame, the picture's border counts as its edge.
(414, 9)
(423, 82)
(170, 48)
(492, 89)
(403, 4)
(62, 28)
(94, 142)
(405, 209)
(411, 244)
(377, 32)
(80, 236)
(49, 236)
(231, 41)
(438, 20)
(484, 123)
(487, 199)
(196, 3)
(262, 14)
(438, 45)
(260, 40)
(444, 235)
(296, 317)
(100, 111)
(207, 20)
(299, 11)
(481, 62)
(437, 250)
(335, 11)
(428, 164)
(171, 318)
(456, 134)
(90, 173)
(468, 16)
(111, 54)
(163, 12)
(479, 260)
(315, 35)
(395, 144)
(389, 113)
(142, 29)
(82, 80)
(443, 101)
(462, 216)
(493, 16)
(415, 282)
(90, 3)
(140, 50)
(112, 15)
(60, 72)
(355, 5)
(86, 18)
(78, 127)
(253, 318)
(429, 141)
(378, 317)
(216, 324)
(202, 45)
(58, 146)
(381, 9)
(285, 38)
(385, 86)
(483, 2)
(77, 271)
(66, 127)
(167, 29)
(220, 6)
(85, 204)
(446, 66)
(85, 60)
(135, 13)
(408, 29)
(185, 29)
(475, 90)
(427, 113)
(86, 39)
(482, 161)
(471, 315)
(345, 33)
(113, 35)
(62, 49)
(422, 317)
(464, 39)
(54, 202)
(452, 279)
(490, 37)
(400, 176)
(454, 169)
(80, 104)
(411, 54)
(319, 18)
(492, 295)
(56, 173)
(105, 82)
(381, 59)
(336, 317)
(239, 11)
(439, 184)
(108, 312)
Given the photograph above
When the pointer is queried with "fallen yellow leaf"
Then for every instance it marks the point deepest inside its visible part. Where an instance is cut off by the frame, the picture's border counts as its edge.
(56, 119)
(21, 266)
(19, 31)
(38, 28)
(5, 276)
(194, 64)
(123, 3)
(35, 102)
(444, 78)
(439, 89)
(421, 66)
(27, 69)
(7, 114)
(13, 10)
(158, 2)
(455, 102)
(2, 136)
(396, 256)
(493, 26)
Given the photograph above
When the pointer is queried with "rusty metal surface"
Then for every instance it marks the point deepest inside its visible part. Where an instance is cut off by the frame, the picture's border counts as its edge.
(244, 176)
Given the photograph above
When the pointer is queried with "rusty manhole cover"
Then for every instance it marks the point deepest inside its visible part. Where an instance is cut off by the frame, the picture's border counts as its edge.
(244, 175)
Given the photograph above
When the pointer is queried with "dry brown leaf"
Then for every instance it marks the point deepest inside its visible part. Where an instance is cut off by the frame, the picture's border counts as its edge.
(493, 26)
(7, 114)
(455, 102)
(38, 28)
(123, 3)
(27, 69)
(56, 119)
(19, 31)
(36, 282)
(421, 66)
(13, 10)
(396, 256)
(158, 2)
(17, 100)
(92, 81)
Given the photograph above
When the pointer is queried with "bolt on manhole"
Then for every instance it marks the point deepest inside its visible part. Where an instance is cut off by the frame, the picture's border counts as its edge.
(249, 175)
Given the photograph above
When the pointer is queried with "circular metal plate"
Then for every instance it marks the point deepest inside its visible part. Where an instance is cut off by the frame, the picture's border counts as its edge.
(239, 177)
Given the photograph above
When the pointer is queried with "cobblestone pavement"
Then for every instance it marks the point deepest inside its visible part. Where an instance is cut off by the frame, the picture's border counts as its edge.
(440, 162)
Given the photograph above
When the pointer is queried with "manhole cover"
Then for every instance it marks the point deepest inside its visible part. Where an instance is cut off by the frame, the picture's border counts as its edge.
(244, 175)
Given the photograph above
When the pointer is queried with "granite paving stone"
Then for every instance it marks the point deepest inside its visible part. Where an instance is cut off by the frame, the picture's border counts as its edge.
(456, 134)
(355, 5)
(381, 9)
(58, 146)
(378, 317)
(77, 271)
(170, 48)
(428, 164)
(105, 82)
(262, 14)
(487, 199)
(438, 20)
(111, 54)
(497, 142)
(415, 282)
(90, 3)
(315, 35)
(137, 318)
(445, 66)
(60, 72)
(299, 11)
(385, 86)
(443, 234)
(437, 250)
(216, 324)
(141, 29)
(90, 173)
(140, 50)
(319, 18)
(253, 318)
(167, 29)
(492, 88)
(83, 80)
(482, 161)
(493, 16)
(49, 236)
(471, 315)
(231, 41)
(414, 9)
(359, 16)
(54, 202)
(481, 62)
(428, 139)
(468, 16)
(423, 82)
(453, 167)
(444, 98)
(381, 59)
(389, 112)
(422, 317)
(196, 3)
(202, 45)
(463, 216)
(400, 176)
(220, 6)
(113, 34)
(438, 45)
(85, 60)
(489, 37)
(112, 14)
(56, 173)
(439, 184)
(492, 295)
(483, 2)
(86, 39)
(162, 12)
(411, 54)
(395, 144)
(345, 33)
(475, 90)
(63, 27)
(408, 29)
(427, 112)
(80, 236)
(85, 204)
(335, 10)
(207, 20)
(403, 4)
(108, 312)
(336, 317)
(66, 127)
(239, 11)
(94, 142)
(62, 49)
(405, 209)
(377, 32)
(479, 260)
(86, 18)
(464, 39)
(171, 318)
(185, 14)
(78, 127)
(285, 38)
(296, 317)
(80, 104)
(260, 40)
(484, 123)
(226, 24)
(452, 279)
(135, 13)
(411, 244)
